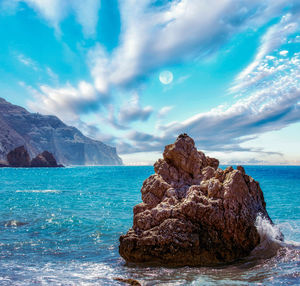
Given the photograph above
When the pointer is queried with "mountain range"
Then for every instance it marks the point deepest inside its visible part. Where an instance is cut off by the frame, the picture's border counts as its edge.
(37, 133)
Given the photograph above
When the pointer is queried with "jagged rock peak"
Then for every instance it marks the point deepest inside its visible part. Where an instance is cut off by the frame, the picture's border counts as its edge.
(18, 157)
(194, 213)
(45, 159)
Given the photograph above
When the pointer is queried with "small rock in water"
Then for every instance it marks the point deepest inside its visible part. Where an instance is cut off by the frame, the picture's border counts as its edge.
(45, 159)
(194, 213)
(129, 281)
(14, 223)
(18, 157)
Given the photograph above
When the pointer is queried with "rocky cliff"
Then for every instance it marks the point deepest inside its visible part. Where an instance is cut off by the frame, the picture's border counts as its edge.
(37, 133)
(194, 213)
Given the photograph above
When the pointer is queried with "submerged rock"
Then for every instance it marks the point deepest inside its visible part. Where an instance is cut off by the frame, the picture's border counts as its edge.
(194, 213)
(128, 281)
(14, 223)
(18, 157)
(45, 159)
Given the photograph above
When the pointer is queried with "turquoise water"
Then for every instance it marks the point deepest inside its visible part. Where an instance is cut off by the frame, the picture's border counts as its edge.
(61, 227)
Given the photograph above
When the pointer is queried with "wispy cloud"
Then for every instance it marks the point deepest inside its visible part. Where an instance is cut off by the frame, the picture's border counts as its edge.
(55, 11)
(27, 61)
(53, 76)
(269, 107)
(165, 110)
(132, 111)
(276, 36)
(156, 36)
(67, 102)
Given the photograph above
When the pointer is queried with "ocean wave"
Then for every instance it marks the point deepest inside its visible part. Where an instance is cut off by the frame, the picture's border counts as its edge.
(273, 245)
(38, 191)
(74, 273)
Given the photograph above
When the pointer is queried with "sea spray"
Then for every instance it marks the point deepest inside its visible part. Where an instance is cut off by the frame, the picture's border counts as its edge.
(271, 238)
(267, 230)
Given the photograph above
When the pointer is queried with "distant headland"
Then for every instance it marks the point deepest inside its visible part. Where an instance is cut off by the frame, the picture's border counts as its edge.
(37, 133)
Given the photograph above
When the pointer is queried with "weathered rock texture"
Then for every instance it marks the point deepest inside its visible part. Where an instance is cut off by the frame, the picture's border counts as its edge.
(194, 213)
(45, 159)
(18, 157)
(47, 132)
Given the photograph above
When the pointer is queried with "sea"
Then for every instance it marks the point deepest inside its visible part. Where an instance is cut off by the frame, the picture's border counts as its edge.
(62, 227)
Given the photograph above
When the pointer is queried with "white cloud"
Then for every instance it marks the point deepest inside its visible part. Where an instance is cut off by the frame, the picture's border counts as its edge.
(283, 53)
(271, 106)
(99, 64)
(153, 37)
(132, 111)
(54, 11)
(273, 39)
(165, 110)
(27, 61)
(66, 102)
(87, 15)
(53, 76)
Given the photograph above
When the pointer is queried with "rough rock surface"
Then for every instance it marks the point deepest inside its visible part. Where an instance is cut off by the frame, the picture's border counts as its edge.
(45, 159)
(46, 132)
(194, 213)
(18, 157)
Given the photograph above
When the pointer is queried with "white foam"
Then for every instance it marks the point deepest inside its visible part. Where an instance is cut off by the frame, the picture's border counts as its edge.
(270, 236)
(38, 191)
(292, 243)
(266, 230)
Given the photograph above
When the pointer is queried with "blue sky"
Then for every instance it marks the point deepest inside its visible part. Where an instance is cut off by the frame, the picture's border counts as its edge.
(136, 73)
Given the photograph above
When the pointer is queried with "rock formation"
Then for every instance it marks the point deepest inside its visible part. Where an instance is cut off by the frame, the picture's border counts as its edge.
(46, 132)
(128, 281)
(18, 157)
(45, 159)
(194, 213)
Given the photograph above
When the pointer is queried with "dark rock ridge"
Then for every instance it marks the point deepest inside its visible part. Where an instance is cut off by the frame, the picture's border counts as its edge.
(45, 159)
(194, 213)
(37, 133)
(19, 157)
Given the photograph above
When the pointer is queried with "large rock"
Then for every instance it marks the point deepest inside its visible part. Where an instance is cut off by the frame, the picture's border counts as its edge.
(47, 132)
(45, 159)
(194, 213)
(18, 157)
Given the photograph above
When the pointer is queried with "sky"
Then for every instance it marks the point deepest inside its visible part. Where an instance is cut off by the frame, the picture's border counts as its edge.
(137, 73)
